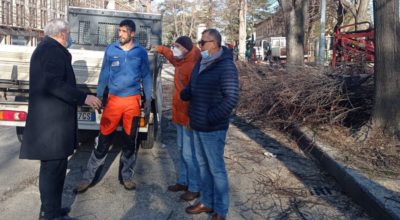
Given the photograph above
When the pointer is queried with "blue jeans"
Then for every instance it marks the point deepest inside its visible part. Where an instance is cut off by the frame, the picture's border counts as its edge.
(189, 172)
(214, 179)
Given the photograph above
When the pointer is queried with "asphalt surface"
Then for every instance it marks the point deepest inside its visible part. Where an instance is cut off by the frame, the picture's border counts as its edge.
(289, 186)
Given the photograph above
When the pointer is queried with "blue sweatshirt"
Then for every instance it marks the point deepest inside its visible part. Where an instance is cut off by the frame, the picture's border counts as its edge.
(122, 71)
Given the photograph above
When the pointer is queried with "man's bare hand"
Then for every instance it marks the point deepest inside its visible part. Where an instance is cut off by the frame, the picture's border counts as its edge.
(154, 48)
(93, 101)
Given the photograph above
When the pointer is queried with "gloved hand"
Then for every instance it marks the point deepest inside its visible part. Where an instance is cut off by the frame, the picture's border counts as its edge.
(154, 48)
(188, 126)
(185, 95)
(147, 108)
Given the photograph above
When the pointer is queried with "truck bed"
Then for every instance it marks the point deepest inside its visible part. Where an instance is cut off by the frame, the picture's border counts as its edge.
(15, 60)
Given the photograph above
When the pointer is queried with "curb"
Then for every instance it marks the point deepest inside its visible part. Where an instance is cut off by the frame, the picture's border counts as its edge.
(371, 196)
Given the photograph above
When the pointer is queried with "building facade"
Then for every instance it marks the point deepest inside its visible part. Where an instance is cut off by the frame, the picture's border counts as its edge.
(22, 21)
(273, 26)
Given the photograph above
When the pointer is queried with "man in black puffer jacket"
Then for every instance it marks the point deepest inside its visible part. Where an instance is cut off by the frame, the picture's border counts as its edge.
(213, 92)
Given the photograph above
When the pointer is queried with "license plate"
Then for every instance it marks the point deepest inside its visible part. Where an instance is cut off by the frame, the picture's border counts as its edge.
(86, 116)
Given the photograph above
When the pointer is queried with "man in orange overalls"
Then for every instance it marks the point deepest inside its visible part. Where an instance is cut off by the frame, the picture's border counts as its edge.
(125, 63)
(184, 56)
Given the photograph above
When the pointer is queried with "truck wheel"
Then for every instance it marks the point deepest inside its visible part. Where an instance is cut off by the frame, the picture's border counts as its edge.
(20, 133)
(147, 139)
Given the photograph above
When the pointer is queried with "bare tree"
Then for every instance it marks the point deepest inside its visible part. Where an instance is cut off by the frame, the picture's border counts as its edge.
(294, 13)
(181, 18)
(358, 9)
(386, 105)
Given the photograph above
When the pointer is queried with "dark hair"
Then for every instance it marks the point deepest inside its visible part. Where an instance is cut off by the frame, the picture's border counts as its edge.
(214, 35)
(129, 24)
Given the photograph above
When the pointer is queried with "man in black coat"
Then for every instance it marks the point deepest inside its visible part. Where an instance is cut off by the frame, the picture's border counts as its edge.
(51, 127)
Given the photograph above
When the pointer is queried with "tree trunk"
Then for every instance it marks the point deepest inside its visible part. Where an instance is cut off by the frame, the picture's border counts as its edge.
(242, 30)
(183, 19)
(175, 20)
(253, 38)
(340, 17)
(359, 11)
(210, 14)
(191, 25)
(294, 14)
(252, 28)
(386, 105)
(362, 14)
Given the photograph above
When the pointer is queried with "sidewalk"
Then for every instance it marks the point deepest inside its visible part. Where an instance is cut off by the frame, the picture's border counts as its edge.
(378, 201)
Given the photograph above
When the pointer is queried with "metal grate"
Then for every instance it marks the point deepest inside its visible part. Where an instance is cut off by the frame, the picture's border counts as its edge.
(320, 191)
(144, 36)
(107, 33)
(84, 32)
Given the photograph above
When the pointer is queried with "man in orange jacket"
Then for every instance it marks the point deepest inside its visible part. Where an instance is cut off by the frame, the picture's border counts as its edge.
(184, 56)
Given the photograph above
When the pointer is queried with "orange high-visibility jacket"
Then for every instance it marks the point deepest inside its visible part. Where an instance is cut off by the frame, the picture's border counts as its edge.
(183, 70)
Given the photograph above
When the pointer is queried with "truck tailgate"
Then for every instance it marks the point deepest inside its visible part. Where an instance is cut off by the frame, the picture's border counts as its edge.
(15, 60)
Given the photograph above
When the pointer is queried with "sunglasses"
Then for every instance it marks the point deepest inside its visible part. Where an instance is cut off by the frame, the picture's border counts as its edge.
(202, 42)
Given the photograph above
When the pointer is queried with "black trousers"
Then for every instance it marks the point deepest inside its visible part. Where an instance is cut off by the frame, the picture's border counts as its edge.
(51, 184)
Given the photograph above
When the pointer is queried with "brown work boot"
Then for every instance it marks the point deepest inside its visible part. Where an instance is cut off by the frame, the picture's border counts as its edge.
(216, 216)
(177, 187)
(189, 195)
(129, 185)
(82, 187)
(199, 208)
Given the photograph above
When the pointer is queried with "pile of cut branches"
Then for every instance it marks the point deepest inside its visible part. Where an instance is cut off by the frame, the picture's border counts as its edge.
(281, 98)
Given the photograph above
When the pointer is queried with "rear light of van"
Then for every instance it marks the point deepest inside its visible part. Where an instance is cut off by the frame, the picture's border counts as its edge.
(7, 115)
(142, 122)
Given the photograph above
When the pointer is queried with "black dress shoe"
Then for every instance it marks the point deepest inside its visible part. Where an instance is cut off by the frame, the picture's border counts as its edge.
(65, 211)
(66, 217)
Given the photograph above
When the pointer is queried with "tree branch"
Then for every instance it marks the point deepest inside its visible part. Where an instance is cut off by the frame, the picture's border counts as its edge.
(350, 7)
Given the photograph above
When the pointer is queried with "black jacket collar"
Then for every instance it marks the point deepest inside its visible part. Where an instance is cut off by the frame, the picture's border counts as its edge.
(58, 45)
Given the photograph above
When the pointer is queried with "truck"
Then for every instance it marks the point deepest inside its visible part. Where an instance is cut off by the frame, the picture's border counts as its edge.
(273, 49)
(91, 30)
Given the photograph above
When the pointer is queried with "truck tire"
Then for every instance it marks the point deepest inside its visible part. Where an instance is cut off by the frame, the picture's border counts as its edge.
(20, 133)
(147, 139)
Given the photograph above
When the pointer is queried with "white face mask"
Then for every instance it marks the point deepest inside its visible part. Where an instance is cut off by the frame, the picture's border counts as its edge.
(177, 52)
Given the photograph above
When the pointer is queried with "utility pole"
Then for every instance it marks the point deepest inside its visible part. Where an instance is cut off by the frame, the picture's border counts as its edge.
(321, 57)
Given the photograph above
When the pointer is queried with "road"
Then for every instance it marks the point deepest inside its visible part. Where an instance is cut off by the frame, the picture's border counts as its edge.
(289, 186)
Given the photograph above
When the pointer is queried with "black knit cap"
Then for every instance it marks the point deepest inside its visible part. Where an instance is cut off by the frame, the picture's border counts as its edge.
(186, 42)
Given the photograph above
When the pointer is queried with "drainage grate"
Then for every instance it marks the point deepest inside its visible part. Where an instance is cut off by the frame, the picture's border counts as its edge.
(84, 32)
(320, 191)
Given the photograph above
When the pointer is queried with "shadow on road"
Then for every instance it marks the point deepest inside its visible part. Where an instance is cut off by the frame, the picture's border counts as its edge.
(77, 164)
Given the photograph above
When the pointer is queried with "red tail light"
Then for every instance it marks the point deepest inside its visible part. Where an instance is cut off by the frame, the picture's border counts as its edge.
(7, 115)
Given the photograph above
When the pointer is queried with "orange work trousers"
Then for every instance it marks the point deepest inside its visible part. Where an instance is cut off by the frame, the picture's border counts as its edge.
(117, 107)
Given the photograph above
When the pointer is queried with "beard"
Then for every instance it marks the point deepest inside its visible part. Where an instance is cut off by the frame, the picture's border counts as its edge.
(125, 41)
